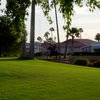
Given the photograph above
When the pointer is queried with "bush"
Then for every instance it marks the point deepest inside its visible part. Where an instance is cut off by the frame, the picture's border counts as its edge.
(82, 62)
(38, 54)
(96, 63)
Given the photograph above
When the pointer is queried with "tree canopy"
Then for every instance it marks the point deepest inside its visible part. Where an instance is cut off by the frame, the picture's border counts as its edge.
(9, 39)
(97, 37)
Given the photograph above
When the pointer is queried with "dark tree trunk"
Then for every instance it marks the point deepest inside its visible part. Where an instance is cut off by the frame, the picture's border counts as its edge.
(32, 33)
(66, 46)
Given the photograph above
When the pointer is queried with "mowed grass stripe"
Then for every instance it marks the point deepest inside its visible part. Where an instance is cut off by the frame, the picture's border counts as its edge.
(43, 80)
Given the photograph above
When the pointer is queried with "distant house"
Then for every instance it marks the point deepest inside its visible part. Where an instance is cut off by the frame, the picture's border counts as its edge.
(37, 47)
(78, 45)
(95, 47)
(45, 45)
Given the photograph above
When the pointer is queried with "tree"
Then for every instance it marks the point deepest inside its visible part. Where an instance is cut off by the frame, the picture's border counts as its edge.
(32, 31)
(46, 35)
(54, 5)
(97, 37)
(39, 39)
(52, 30)
(80, 30)
(74, 32)
(67, 36)
(10, 41)
(17, 11)
(45, 7)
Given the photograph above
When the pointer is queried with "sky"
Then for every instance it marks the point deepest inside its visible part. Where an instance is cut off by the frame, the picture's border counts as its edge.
(83, 18)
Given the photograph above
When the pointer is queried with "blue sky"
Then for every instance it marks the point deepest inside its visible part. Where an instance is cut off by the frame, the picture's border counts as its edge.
(89, 21)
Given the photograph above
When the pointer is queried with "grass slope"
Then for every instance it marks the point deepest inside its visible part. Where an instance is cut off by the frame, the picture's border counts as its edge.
(42, 80)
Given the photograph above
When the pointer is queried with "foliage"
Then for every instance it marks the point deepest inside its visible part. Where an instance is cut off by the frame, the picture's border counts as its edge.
(53, 50)
(52, 29)
(97, 37)
(17, 9)
(96, 63)
(46, 35)
(39, 39)
(82, 62)
(9, 39)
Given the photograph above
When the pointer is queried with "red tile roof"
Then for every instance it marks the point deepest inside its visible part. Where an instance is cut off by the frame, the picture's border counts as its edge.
(77, 43)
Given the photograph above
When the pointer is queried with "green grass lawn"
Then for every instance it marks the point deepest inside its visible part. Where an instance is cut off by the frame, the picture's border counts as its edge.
(43, 80)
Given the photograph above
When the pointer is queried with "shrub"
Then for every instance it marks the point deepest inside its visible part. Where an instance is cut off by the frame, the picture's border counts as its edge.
(96, 63)
(38, 54)
(83, 62)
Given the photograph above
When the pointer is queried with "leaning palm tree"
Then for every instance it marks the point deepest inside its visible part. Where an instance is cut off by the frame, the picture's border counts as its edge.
(97, 37)
(46, 35)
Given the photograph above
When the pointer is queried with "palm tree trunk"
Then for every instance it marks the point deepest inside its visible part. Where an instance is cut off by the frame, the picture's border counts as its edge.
(57, 28)
(32, 31)
(72, 44)
(66, 46)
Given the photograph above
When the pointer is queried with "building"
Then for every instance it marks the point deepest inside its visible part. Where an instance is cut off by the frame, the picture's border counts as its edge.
(77, 46)
(95, 47)
(80, 45)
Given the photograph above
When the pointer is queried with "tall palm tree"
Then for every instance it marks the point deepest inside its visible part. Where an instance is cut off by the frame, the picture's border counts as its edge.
(74, 32)
(52, 30)
(32, 31)
(53, 5)
(97, 37)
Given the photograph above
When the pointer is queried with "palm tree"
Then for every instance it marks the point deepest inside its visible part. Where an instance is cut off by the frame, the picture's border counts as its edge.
(40, 40)
(74, 32)
(32, 31)
(80, 30)
(67, 36)
(52, 30)
(97, 37)
(56, 17)
(50, 40)
(46, 35)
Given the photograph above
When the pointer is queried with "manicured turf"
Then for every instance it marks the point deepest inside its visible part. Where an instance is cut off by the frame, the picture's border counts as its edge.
(43, 80)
